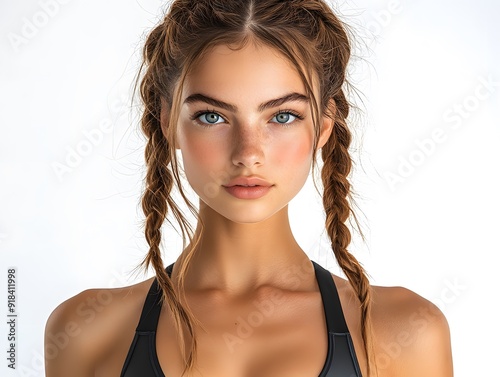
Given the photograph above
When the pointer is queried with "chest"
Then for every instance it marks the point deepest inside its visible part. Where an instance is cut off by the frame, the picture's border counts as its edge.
(263, 337)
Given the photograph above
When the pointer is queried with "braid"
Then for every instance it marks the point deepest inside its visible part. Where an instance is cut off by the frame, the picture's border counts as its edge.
(316, 43)
(336, 168)
(157, 199)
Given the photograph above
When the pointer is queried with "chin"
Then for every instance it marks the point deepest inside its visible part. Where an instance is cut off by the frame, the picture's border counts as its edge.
(245, 219)
(247, 213)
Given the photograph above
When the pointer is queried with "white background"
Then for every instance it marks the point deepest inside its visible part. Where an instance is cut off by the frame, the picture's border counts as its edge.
(429, 211)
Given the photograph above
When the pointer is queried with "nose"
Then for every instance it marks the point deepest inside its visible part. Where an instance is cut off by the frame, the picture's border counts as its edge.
(248, 146)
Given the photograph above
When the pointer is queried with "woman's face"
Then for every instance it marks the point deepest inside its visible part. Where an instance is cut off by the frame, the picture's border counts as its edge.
(246, 113)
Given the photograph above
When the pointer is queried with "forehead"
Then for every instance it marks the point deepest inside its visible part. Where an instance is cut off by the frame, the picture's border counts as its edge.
(255, 71)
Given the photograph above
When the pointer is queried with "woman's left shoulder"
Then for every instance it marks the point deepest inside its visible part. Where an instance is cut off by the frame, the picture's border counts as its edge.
(411, 336)
(411, 333)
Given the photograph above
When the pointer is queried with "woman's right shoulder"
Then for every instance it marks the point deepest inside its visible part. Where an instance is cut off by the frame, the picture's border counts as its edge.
(88, 326)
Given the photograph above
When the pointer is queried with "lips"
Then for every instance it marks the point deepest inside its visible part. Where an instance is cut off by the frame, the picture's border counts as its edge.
(248, 192)
(247, 182)
(250, 187)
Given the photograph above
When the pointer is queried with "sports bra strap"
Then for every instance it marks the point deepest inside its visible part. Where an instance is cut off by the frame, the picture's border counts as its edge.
(151, 310)
(335, 320)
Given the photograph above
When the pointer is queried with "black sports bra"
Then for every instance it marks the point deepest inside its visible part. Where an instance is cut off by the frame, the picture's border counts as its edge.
(341, 361)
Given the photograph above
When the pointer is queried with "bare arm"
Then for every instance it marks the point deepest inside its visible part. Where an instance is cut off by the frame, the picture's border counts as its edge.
(67, 348)
(431, 353)
(412, 336)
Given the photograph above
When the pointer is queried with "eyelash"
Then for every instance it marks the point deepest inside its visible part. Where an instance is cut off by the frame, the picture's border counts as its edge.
(291, 112)
(196, 115)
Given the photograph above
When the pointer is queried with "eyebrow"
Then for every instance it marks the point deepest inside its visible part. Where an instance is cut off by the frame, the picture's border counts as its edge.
(294, 96)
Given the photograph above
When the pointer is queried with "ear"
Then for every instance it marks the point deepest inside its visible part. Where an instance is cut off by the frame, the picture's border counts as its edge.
(327, 124)
(164, 118)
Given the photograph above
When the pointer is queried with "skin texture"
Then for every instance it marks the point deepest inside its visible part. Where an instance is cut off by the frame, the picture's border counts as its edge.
(243, 143)
(248, 253)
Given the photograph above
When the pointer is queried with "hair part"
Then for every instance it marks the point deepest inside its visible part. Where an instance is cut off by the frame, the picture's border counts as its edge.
(314, 40)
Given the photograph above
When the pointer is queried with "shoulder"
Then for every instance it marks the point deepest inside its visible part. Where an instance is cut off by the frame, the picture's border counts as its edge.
(405, 327)
(86, 326)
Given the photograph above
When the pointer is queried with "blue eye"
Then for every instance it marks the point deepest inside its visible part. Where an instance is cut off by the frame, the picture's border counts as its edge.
(285, 117)
(209, 118)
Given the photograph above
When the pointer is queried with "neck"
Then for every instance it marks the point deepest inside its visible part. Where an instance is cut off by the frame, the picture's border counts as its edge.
(236, 259)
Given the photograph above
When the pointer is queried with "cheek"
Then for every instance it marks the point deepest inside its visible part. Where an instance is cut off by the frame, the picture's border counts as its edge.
(294, 152)
(200, 152)
(200, 156)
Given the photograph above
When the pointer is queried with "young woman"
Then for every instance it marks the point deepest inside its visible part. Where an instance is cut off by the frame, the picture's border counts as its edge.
(247, 91)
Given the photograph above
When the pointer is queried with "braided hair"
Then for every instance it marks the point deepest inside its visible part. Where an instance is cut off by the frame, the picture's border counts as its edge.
(315, 41)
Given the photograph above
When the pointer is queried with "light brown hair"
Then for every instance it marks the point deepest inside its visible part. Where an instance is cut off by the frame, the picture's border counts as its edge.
(315, 41)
